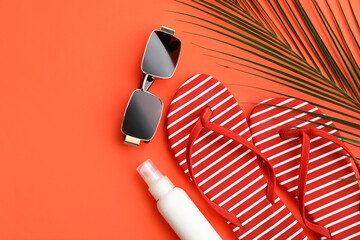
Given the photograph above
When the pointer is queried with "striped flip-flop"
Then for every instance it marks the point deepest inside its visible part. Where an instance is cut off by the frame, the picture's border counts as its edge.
(308, 161)
(210, 138)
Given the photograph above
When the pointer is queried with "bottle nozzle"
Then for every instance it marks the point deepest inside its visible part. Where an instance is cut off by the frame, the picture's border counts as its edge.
(149, 172)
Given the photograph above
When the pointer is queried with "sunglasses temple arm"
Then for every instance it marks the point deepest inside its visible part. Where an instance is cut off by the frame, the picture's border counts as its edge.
(147, 82)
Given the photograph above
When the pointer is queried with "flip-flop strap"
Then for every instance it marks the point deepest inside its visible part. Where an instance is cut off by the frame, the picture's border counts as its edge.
(204, 122)
(223, 212)
(305, 134)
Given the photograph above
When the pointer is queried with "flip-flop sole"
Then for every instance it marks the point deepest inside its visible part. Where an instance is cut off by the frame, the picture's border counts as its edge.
(227, 172)
(330, 202)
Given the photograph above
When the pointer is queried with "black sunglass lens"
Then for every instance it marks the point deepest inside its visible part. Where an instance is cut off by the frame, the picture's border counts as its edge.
(161, 54)
(142, 115)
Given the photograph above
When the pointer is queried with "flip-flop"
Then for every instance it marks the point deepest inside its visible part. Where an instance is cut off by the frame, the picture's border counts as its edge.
(210, 138)
(309, 161)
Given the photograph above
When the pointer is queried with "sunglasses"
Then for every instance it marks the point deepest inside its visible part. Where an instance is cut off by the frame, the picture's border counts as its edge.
(143, 112)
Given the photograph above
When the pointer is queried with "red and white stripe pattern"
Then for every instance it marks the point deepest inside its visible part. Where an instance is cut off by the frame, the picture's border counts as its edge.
(330, 202)
(227, 172)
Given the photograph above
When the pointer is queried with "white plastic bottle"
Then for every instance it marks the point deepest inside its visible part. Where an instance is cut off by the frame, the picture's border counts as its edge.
(176, 206)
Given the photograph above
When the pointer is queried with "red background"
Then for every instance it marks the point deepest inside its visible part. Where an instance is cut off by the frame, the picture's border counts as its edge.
(67, 70)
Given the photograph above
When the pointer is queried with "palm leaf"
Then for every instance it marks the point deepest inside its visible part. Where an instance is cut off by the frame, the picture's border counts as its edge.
(293, 51)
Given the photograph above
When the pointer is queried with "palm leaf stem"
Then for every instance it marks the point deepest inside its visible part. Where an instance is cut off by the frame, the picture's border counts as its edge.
(302, 89)
(349, 156)
(321, 125)
(257, 75)
(285, 95)
(352, 179)
(347, 123)
(348, 140)
(328, 126)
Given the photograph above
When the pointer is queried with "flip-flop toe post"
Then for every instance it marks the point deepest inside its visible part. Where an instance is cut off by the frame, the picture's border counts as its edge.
(210, 139)
(309, 162)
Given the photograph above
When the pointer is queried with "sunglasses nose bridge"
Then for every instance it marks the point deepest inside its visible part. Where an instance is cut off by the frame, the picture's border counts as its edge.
(147, 82)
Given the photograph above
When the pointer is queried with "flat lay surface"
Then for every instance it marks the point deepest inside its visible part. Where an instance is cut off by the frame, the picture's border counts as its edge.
(67, 71)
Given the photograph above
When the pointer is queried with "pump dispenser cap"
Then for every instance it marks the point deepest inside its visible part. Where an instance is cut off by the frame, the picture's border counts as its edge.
(149, 172)
(159, 185)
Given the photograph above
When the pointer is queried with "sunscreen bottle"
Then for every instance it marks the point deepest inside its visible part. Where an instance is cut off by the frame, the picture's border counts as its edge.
(176, 206)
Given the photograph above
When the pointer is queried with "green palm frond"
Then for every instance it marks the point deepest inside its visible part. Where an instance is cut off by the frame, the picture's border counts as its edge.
(311, 49)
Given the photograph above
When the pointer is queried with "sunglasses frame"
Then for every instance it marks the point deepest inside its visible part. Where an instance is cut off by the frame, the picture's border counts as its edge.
(148, 80)
(134, 141)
